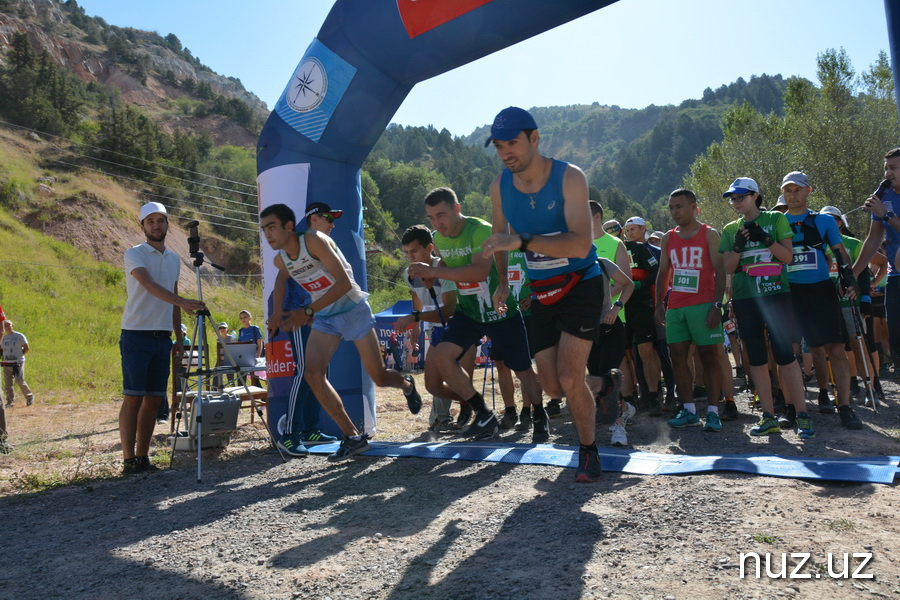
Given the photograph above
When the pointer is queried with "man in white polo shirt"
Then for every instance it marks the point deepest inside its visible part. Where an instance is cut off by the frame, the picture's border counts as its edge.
(151, 279)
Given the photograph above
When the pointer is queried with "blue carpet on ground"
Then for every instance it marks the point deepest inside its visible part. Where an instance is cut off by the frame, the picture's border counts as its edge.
(866, 469)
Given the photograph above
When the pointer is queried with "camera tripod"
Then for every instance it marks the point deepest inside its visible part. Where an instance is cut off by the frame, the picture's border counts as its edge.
(205, 373)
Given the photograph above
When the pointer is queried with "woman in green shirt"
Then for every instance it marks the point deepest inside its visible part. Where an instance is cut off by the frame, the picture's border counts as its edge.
(756, 248)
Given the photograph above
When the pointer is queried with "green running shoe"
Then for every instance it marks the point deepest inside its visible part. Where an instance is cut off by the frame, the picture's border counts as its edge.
(713, 423)
(805, 429)
(767, 424)
(685, 419)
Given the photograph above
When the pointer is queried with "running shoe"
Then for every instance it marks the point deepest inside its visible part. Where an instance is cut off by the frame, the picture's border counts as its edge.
(589, 467)
(524, 423)
(849, 418)
(5, 448)
(554, 407)
(712, 422)
(619, 437)
(805, 430)
(788, 420)
(413, 399)
(145, 466)
(464, 416)
(541, 432)
(826, 406)
(131, 466)
(509, 418)
(349, 448)
(766, 425)
(444, 424)
(684, 419)
(313, 437)
(628, 412)
(292, 445)
(29, 401)
(729, 411)
(484, 426)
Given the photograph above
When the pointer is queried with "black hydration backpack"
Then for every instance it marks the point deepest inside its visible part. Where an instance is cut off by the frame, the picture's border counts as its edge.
(811, 236)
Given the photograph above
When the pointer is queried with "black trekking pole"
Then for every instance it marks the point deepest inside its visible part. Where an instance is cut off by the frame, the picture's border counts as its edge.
(864, 353)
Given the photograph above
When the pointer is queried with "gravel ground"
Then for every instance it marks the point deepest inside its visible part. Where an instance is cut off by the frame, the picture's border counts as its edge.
(381, 528)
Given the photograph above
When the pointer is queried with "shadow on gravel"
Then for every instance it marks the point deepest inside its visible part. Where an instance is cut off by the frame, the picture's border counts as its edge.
(73, 542)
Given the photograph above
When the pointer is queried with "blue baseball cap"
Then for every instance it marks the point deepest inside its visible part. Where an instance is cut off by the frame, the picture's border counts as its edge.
(508, 123)
(742, 185)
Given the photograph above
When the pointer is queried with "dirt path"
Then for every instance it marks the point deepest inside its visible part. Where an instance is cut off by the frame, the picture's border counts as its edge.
(418, 528)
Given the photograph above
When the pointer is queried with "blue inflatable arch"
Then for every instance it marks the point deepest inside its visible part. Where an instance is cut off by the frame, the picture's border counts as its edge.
(354, 75)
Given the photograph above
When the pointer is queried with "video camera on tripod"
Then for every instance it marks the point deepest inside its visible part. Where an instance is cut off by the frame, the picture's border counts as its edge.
(205, 374)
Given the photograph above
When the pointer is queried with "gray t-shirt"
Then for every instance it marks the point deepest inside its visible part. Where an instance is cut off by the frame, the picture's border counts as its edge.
(13, 345)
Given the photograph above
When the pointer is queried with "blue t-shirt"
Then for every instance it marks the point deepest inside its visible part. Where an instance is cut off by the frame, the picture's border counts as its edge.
(543, 213)
(809, 264)
(249, 334)
(891, 235)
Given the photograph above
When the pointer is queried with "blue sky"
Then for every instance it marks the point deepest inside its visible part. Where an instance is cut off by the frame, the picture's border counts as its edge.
(632, 53)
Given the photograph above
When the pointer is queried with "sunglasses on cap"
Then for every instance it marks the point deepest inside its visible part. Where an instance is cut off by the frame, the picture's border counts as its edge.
(614, 229)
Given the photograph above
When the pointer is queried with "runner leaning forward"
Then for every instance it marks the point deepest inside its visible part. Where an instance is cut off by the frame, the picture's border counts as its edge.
(540, 206)
(339, 310)
(757, 247)
(481, 310)
(690, 260)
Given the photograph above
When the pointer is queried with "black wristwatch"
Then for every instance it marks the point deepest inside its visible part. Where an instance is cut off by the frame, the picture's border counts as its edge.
(416, 316)
(619, 304)
(718, 305)
(309, 312)
(887, 216)
(526, 239)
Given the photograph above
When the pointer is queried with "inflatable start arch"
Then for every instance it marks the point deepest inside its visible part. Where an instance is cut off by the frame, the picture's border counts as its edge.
(354, 75)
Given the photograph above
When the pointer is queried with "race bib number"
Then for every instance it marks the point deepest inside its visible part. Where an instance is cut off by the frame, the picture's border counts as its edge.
(537, 262)
(466, 288)
(804, 260)
(515, 275)
(686, 280)
(317, 285)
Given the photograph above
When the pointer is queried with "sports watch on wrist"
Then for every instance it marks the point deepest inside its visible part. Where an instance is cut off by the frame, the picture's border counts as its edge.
(718, 305)
(416, 316)
(888, 216)
(309, 312)
(526, 239)
(619, 304)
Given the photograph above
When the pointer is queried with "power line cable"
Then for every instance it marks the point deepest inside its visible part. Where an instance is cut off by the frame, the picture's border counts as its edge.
(134, 157)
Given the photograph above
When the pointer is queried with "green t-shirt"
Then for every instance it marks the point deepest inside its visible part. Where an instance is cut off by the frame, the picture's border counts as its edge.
(606, 247)
(758, 273)
(473, 298)
(519, 284)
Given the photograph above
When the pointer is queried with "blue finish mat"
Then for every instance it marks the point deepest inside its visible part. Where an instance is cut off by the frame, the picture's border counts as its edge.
(866, 469)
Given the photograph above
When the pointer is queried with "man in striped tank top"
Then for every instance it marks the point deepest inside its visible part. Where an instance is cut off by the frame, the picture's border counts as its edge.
(691, 262)
(341, 311)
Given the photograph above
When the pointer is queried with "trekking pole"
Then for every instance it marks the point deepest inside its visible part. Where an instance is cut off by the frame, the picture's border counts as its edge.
(864, 353)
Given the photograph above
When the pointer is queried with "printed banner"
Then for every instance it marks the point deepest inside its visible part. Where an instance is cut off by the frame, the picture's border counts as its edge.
(313, 93)
(420, 16)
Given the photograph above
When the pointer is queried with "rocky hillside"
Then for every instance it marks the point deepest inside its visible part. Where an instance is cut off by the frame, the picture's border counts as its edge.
(149, 71)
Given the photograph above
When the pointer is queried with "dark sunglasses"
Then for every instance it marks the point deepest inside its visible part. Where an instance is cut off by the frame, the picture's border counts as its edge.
(614, 230)
(325, 216)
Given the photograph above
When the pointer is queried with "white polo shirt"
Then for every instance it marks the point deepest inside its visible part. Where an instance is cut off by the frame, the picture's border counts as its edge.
(144, 311)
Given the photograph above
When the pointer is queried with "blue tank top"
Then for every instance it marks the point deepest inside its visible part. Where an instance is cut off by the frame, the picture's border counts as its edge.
(543, 213)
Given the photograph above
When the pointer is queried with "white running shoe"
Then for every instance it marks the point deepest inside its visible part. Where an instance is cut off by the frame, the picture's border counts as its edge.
(619, 437)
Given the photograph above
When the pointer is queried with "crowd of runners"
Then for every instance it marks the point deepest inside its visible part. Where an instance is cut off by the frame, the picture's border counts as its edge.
(606, 320)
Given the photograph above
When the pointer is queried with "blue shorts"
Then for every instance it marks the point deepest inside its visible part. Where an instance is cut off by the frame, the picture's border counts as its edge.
(355, 324)
(145, 362)
(507, 336)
